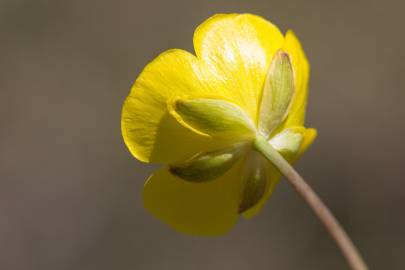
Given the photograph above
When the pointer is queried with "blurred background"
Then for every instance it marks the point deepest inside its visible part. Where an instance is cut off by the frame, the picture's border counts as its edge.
(70, 190)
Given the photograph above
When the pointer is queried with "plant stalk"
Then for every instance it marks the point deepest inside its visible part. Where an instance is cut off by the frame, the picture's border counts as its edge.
(335, 230)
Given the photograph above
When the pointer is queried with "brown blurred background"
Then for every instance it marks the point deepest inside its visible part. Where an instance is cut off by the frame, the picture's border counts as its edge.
(70, 191)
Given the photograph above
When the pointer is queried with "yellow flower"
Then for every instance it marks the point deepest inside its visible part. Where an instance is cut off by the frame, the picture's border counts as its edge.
(199, 114)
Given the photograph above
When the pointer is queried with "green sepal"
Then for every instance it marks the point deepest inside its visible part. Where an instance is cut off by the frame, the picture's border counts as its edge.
(277, 93)
(289, 140)
(213, 117)
(206, 166)
(255, 183)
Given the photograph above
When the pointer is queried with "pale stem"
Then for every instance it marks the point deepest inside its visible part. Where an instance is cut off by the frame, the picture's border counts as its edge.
(346, 246)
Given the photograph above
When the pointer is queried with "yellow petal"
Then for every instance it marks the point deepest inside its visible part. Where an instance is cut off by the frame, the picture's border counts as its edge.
(274, 175)
(209, 208)
(310, 136)
(149, 131)
(300, 63)
(238, 48)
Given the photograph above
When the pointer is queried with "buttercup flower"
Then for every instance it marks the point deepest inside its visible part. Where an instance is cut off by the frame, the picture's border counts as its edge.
(199, 115)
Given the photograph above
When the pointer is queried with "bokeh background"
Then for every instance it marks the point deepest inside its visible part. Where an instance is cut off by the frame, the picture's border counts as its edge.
(70, 191)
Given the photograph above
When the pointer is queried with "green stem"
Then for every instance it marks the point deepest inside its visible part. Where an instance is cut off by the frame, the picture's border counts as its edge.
(324, 215)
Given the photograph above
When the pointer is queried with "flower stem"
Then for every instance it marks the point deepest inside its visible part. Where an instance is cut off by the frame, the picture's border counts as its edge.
(335, 230)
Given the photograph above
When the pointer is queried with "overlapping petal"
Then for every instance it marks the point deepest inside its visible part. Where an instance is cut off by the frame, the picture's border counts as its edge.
(209, 208)
(238, 48)
(300, 63)
(149, 131)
